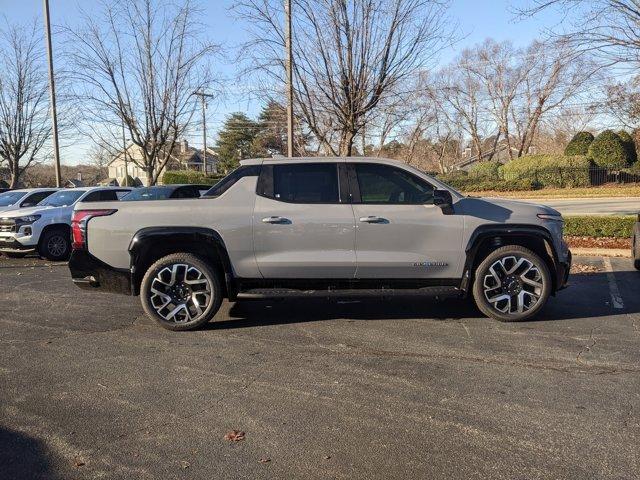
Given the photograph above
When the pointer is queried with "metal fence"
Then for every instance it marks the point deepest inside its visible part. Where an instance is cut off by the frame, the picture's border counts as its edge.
(575, 177)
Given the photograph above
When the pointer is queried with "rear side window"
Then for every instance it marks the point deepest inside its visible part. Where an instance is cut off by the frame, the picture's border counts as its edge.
(302, 183)
(227, 182)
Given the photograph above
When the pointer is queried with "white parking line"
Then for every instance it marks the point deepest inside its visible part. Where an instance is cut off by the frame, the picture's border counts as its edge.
(616, 298)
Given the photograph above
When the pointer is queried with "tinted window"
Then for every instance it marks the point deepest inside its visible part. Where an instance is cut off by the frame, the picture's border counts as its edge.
(306, 183)
(35, 198)
(390, 185)
(150, 193)
(227, 182)
(62, 198)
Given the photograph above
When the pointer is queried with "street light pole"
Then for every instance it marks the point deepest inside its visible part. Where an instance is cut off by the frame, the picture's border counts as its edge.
(289, 72)
(203, 96)
(52, 94)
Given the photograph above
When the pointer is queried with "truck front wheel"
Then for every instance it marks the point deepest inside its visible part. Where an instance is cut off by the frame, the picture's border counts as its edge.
(55, 244)
(512, 283)
(181, 292)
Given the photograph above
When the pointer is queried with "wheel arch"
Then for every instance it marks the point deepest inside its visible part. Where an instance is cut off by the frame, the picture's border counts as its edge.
(487, 238)
(152, 243)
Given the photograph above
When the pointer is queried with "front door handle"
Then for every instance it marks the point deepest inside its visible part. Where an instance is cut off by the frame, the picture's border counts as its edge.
(275, 219)
(373, 219)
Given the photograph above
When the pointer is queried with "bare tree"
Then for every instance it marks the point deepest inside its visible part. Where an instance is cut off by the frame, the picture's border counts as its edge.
(138, 63)
(555, 74)
(608, 28)
(24, 124)
(350, 56)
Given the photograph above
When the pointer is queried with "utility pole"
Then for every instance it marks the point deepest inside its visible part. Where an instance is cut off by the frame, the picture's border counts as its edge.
(124, 152)
(203, 96)
(289, 68)
(52, 94)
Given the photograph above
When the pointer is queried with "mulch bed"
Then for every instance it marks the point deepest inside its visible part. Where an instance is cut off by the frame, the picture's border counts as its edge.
(592, 242)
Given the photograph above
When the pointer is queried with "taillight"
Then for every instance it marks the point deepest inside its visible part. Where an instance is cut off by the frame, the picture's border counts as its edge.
(79, 226)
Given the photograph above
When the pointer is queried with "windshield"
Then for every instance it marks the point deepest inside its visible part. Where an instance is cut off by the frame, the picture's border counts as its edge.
(9, 198)
(62, 198)
(149, 193)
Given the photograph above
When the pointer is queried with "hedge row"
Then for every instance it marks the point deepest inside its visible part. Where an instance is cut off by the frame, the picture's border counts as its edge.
(599, 226)
(550, 171)
(471, 183)
(189, 176)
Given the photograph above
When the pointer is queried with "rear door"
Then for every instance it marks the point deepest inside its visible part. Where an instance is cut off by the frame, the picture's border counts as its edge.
(400, 233)
(303, 223)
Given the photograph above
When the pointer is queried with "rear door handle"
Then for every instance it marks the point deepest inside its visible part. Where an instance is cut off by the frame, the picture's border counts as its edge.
(373, 219)
(275, 219)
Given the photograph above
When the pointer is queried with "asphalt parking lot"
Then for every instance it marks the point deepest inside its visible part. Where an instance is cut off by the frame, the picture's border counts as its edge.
(401, 388)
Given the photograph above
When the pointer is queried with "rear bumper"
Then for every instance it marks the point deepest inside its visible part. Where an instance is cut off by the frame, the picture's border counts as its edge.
(89, 273)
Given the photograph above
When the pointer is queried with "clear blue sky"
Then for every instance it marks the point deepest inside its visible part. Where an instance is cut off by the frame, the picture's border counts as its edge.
(477, 20)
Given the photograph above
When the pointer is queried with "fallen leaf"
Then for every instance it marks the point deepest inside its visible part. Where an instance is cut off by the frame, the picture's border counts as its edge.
(234, 436)
(184, 464)
(78, 463)
(327, 457)
(264, 460)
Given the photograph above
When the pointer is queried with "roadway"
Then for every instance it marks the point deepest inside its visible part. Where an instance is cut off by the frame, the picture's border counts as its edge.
(591, 206)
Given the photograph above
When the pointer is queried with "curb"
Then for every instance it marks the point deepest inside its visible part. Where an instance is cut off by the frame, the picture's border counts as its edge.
(601, 252)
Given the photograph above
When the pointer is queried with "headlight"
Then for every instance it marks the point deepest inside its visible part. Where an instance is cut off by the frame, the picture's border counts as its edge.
(27, 219)
(549, 216)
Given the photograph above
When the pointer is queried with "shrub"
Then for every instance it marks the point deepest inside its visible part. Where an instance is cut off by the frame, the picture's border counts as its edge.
(599, 226)
(608, 151)
(189, 176)
(549, 171)
(629, 146)
(579, 144)
(470, 183)
(489, 170)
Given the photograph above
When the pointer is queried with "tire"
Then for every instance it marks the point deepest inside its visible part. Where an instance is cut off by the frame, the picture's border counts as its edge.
(521, 300)
(55, 244)
(181, 279)
(15, 255)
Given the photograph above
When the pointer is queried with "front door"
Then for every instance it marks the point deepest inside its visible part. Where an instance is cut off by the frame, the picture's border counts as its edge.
(400, 233)
(302, 225)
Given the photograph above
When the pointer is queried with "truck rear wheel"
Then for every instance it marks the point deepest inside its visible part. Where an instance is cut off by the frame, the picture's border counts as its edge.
(512, 283)
(181, 292)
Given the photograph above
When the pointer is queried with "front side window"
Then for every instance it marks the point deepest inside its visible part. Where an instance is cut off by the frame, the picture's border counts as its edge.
(35, 198)
(384, 184)
(306, 183)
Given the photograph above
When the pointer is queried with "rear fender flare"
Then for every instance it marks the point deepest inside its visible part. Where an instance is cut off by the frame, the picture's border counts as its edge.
(147, 237)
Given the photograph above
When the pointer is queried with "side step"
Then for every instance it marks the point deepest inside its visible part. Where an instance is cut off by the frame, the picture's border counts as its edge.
(261, 293)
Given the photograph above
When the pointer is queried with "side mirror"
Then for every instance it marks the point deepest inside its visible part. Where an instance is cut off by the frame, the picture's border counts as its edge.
(443, 199)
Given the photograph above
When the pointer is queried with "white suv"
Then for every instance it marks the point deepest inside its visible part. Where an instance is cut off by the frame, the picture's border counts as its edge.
(46, 227)
(23, 198)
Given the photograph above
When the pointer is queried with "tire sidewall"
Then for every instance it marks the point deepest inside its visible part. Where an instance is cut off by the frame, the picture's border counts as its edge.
(189, 259)
(478, 287)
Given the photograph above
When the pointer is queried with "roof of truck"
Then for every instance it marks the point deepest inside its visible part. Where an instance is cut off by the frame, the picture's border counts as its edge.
(274, 160)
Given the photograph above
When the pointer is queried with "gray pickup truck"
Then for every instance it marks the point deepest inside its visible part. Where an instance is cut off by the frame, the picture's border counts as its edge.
(320, 227)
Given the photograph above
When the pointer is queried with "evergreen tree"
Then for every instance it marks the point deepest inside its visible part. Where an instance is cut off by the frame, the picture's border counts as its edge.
(236, 140)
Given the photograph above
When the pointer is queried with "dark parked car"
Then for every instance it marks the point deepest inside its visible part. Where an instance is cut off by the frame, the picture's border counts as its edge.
(167, 192)
(635, 241)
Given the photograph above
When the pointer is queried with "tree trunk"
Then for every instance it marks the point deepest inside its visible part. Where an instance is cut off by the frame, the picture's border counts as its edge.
(15, 177)
(346, 144)
(150, 180)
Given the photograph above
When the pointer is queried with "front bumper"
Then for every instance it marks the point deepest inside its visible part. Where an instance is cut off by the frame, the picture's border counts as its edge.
(90, 273)
(562, 272)
(11, 245)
